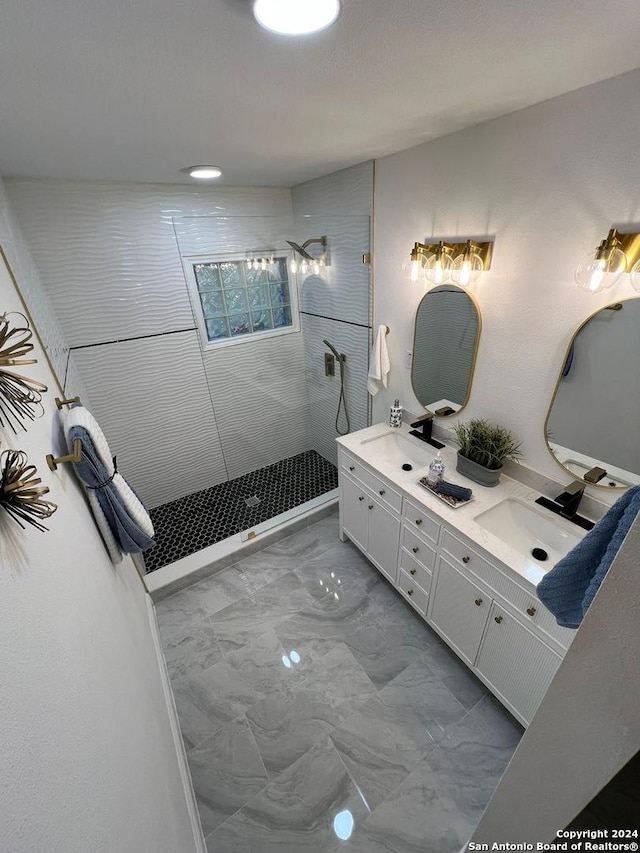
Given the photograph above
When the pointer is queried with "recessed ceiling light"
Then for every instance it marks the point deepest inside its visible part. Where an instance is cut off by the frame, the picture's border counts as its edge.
(204, 173)
(296, 17)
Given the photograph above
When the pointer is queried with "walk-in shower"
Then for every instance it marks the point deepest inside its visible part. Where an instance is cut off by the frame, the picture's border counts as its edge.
(261, 330)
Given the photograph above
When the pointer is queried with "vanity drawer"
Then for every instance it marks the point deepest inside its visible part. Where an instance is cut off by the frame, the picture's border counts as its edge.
(381, 490)
(462, 553)
(418, 518)
(415, 545)
(411, 567)
(414, 593)
(545, 621)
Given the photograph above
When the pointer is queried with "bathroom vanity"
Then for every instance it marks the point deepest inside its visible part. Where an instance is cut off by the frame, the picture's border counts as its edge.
(473, 586)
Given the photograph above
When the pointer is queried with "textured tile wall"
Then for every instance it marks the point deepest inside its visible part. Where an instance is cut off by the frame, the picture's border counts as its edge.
(151, 398)
(340, 205)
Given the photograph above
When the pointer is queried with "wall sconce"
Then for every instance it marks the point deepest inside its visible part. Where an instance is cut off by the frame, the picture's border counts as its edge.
(438, 263)
(618, 254)
(265, 263)
(309, 263)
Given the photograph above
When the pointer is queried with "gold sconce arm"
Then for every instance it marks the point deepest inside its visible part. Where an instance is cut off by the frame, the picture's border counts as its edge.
(76, 456)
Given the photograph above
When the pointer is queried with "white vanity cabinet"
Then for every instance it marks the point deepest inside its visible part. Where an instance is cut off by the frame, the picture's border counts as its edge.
(486, 613)
(369, 518)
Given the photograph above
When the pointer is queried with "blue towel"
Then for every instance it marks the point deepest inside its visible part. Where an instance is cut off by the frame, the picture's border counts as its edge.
(128, 535)
(570, 587)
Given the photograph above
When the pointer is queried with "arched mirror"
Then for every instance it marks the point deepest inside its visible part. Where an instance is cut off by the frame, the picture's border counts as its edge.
(592, 424)
(445, 344)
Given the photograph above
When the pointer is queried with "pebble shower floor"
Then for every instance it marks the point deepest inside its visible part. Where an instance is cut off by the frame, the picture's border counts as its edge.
(196, 521)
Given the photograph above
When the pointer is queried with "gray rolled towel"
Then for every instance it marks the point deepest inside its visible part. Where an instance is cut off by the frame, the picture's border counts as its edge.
(453, 491)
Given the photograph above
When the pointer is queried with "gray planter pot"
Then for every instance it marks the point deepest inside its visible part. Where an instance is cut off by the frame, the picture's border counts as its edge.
(478, 473)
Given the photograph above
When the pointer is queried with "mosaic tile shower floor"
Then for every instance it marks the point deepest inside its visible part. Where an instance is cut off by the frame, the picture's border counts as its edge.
(196, 521)
(320, 714)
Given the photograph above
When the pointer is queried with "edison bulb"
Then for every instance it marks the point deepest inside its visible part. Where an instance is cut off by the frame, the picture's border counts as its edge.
(594, 274)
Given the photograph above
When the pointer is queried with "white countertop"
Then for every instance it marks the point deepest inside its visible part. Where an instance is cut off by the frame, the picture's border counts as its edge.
(462, 518)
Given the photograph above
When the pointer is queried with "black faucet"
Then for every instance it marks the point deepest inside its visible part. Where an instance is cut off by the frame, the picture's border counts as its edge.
(566, 504)
(424, 434)
(569, 500)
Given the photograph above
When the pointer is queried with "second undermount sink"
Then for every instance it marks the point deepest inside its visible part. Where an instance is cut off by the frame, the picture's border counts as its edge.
(395, 449)
(533, 533)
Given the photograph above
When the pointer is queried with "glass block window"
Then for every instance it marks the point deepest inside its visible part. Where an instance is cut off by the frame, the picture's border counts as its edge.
(233, 302)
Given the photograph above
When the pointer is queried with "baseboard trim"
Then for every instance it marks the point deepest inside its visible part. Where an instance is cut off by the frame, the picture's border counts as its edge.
(181, 755)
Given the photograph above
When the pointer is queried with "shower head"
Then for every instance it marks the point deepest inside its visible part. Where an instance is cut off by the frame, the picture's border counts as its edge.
(302, 252)
(334, 351)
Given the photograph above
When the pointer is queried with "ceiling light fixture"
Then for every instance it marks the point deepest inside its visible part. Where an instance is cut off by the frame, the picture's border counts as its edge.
(204, 173)
(296, 17)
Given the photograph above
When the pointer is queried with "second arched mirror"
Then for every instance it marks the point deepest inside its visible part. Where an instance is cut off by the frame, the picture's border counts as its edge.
(445, 343)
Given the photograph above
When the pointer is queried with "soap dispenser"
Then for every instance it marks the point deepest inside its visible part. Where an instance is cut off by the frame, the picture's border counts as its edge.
(395, 414)
(435, 474)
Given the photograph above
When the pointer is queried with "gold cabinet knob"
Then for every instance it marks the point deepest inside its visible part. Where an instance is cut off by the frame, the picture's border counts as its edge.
(466, 559)
(382, 491)
(418, 521)
(531, 611)
(370, 506)
(498, 619)
(415, 549)
(412, 571)
(478, 602)
(352, 467)
(361, 498)
(409, 592)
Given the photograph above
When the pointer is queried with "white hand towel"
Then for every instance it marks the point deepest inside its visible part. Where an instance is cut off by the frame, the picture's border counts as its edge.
(379, 364)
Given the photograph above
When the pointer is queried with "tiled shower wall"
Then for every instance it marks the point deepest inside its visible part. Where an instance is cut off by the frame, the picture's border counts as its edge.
(109, 260)
(338, 307)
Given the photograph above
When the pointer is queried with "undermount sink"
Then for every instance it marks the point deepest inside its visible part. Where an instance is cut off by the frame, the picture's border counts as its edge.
(532, 533)
(394, 449)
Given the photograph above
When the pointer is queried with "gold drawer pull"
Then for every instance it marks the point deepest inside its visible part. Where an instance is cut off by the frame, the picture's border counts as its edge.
(409, 592)
(415, 549)
(498, 619)
(412, 571)
(382, 492)
(531, 611)
(361, 498)
(478, 602)
(352, 467)
(370, 506)
(418, 521)
(466, 559)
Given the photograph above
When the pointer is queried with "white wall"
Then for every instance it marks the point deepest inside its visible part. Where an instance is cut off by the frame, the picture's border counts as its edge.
(88, 758)
(111, 265)
(548, 182)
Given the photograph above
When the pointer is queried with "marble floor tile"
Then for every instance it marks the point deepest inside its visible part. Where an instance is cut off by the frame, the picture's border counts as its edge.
(340, 564)
(188, 639)
(260, 611)
(446, 664)
(389, 643)
(221, 589)
(380, 745)
(417, 689)
(296, 813)
(214, 697)
(226, 770)
(339, 674)
(288, 723)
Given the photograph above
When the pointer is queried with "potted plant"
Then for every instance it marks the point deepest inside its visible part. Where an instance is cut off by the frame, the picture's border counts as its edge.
(483, 449)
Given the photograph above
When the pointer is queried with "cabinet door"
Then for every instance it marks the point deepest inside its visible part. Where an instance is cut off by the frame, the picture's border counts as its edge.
(354, 512)
(459, 611)
(384, 538)
(516, 664)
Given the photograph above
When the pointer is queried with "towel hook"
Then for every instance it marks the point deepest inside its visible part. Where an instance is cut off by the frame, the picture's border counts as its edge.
(64, 402)
(76, 456)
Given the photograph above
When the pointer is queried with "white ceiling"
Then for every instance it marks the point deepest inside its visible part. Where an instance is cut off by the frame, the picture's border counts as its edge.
(134, 91)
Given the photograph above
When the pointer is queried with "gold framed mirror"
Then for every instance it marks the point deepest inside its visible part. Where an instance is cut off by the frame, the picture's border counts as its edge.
(591, 425)
(445, 346)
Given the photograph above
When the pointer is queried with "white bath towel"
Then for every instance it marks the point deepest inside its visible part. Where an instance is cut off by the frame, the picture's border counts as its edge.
(379, 364)
(79, 416)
